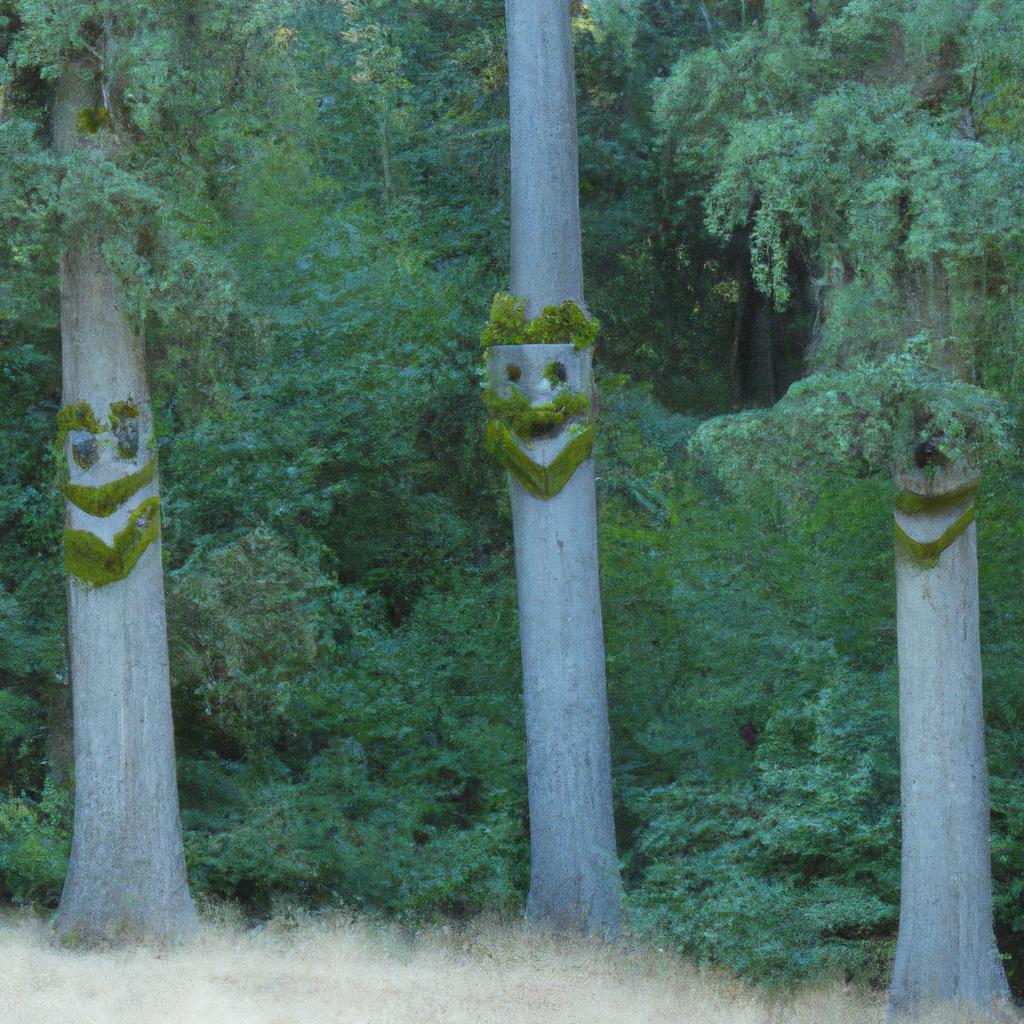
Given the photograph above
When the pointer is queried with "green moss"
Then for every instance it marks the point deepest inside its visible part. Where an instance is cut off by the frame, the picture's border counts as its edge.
(908, 501)
(542, 482)
(107, 498)
(561, 324)
(76, 417)
(96, 564)
(556, 325)
(530, 421)
(925, 555)
(92, 119)
(506, 324)
(123, 410)
(554, 374)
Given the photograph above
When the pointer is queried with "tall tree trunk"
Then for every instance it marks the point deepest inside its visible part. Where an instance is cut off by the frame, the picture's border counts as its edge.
(126, 878)
(574, 867)
(946, 951)
(737, 367)
(753, 369)
(761, 353)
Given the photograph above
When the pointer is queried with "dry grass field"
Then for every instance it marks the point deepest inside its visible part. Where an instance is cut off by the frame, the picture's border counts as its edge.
(345, 972)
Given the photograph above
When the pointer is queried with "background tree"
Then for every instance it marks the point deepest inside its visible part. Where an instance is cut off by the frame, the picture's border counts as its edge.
(126, 874)
(885, 192)
(574, 874)
(946, 952)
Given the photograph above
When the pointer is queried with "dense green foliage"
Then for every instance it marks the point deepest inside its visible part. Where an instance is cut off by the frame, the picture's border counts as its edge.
(308, 207)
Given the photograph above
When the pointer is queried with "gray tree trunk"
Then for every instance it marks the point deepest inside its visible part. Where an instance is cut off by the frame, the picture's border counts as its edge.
(760, 383)
(126, 879)
(946, 951)
(574, 867)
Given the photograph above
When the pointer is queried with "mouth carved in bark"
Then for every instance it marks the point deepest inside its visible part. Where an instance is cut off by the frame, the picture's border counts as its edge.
(542, 481)
(77, 417)
(529, 421)
(542, 407)
(926, 554)
(96, 564)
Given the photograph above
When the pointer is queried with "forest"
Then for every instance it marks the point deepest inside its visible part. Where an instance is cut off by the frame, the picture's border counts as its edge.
(284, 243)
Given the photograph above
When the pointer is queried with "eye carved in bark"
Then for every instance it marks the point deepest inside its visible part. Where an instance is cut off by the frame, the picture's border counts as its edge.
(78, 417)
(556, 374)
(123, 424)
(927, 453)
(84, 449)
(126, 432)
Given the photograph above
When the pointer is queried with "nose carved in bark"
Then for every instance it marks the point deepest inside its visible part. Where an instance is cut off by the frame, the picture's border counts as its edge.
(126, 433)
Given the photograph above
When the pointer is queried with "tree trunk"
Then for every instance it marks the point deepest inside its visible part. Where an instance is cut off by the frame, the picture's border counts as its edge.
(760, 384)
(946, 951)
(59, 735)
(126, 878)
(737, 367)
(753, 368)
(574, 867)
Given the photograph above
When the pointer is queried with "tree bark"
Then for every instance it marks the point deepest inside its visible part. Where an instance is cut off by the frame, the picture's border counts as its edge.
(59, 735)
(126, 878)
(946, 950)
(574, 867)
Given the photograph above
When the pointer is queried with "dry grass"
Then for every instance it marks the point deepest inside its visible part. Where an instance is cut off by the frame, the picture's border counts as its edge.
(344, 972)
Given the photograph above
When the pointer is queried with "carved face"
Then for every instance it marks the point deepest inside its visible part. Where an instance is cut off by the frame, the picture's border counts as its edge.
(542, 401)
(543, 394)
(111, 490)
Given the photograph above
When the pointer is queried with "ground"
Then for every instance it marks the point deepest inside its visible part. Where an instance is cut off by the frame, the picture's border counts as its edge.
(343, 971)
